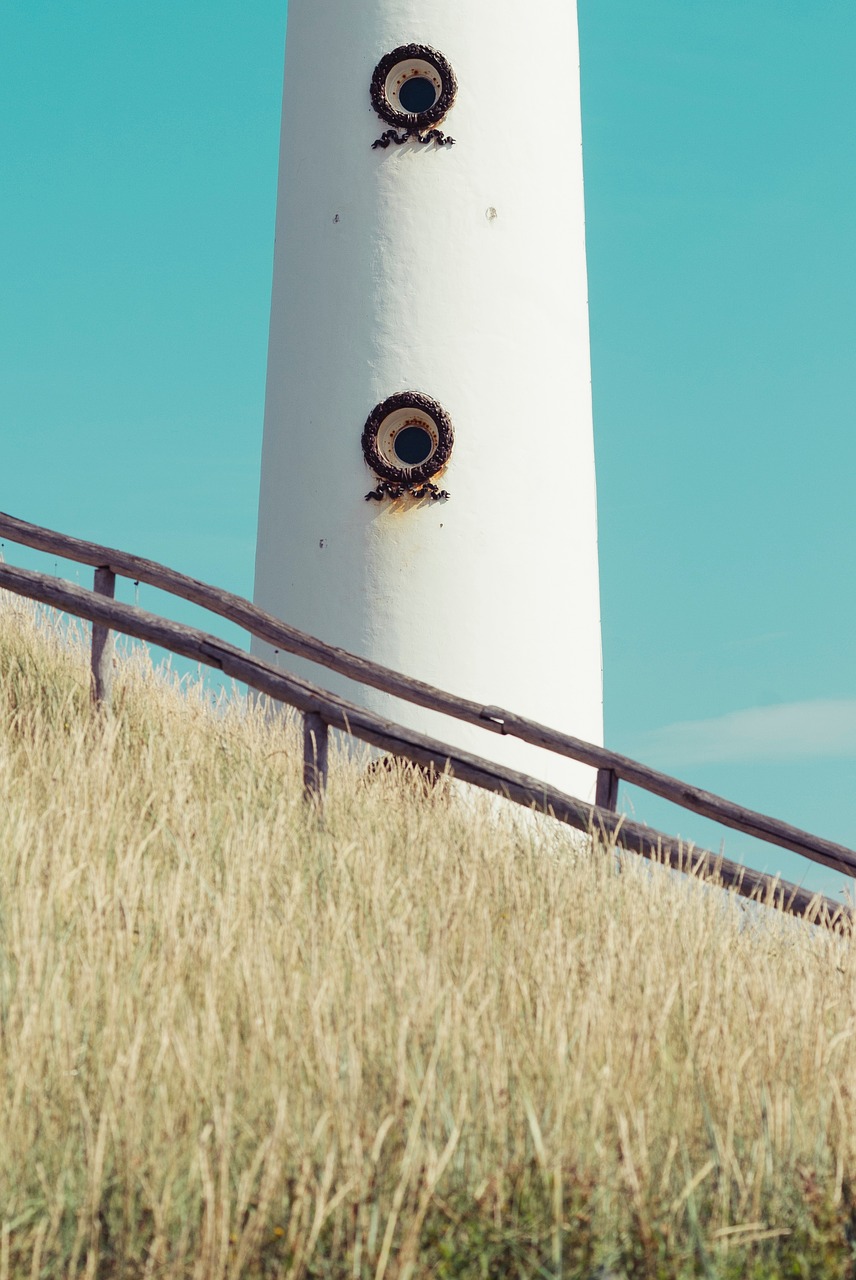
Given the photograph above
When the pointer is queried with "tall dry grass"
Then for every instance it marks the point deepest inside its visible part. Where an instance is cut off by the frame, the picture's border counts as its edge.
(418, 1038)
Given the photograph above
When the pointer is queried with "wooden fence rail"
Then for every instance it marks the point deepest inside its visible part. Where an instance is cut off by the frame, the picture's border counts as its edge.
(611, 766)
(322, 709)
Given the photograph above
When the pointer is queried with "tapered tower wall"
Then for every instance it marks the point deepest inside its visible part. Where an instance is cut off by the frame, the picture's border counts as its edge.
(457, 272)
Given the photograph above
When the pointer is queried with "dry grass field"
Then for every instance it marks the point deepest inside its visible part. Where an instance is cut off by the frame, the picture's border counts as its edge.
(417, 1038)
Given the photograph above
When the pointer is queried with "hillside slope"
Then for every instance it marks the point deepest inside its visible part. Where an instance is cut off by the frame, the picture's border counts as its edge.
(416, 1038)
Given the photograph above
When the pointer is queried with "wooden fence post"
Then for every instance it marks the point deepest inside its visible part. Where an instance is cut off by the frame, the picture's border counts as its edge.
(102, 644)
(315, 743)
(606, 793)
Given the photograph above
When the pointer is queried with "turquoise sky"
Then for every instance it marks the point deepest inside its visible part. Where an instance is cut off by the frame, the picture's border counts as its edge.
(139, 151)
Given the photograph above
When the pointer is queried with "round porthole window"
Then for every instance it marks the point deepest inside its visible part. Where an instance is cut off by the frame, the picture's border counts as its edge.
(407, 438)
(413, 87)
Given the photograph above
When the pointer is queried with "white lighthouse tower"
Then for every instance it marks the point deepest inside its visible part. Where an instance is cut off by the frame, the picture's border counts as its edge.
(428, 488)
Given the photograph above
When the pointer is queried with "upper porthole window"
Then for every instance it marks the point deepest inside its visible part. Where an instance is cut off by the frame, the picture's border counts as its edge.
(413, 87)
(416, 90)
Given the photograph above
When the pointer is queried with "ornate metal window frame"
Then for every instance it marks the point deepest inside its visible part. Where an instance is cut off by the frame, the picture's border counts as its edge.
(417, 125)
(418, 481)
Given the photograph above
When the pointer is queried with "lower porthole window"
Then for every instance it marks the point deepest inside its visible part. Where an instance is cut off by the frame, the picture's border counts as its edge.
(413, 444)
(407, 439)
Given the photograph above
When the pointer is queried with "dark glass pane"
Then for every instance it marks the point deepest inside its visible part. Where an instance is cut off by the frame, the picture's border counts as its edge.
(417, 94)
(413, 445)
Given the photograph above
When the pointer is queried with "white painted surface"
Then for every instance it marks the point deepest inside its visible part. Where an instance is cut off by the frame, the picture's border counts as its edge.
(392, 274)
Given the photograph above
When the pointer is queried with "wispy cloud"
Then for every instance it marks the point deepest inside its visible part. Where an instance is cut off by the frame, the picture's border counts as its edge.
(822, 728)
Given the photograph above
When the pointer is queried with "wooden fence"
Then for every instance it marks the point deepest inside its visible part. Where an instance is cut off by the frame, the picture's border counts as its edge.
(322, 710)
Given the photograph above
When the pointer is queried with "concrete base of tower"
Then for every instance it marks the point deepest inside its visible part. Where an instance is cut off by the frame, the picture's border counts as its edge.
(575, 779)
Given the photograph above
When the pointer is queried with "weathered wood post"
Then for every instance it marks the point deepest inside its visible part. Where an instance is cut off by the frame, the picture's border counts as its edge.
(606, 793)
(315, 744)
(102, 644)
